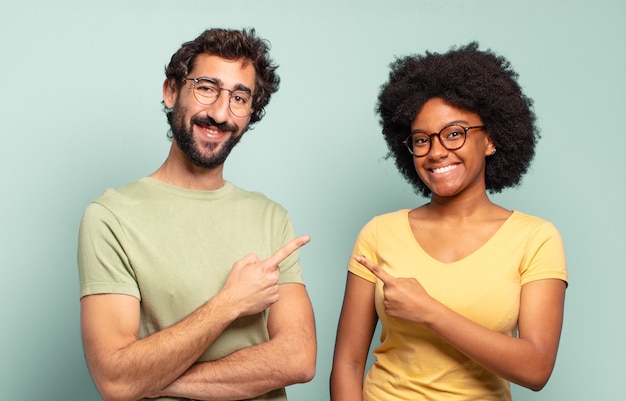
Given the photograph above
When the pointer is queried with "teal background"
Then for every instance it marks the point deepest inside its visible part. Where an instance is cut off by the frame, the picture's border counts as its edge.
(80, 85)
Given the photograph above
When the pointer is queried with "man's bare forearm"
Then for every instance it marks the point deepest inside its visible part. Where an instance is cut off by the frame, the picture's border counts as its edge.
(287, 358)
(130, 368)
(244, 374)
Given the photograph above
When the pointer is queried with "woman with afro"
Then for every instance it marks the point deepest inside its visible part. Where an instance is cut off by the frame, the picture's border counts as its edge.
(470, 295)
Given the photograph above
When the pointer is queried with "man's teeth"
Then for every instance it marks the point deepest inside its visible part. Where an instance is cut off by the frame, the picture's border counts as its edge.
(212, 131)
(444, 169)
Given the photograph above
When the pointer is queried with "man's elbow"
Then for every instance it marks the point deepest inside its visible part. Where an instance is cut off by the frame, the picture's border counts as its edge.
(308, 371)
(109, 394)
(116, 391)
(304, 374)
(303, 367)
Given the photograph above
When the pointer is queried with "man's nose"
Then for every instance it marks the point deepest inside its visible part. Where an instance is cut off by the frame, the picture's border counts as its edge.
(221, 107)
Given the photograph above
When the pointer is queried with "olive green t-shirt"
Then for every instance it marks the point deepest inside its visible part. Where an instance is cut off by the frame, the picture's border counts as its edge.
(172, 248)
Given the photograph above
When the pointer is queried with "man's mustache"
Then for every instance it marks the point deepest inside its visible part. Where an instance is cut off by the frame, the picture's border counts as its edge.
(209, 122)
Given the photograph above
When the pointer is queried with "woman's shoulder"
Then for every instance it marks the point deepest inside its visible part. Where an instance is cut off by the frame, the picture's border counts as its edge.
(522, 222)
(390, 217)
(518, 217)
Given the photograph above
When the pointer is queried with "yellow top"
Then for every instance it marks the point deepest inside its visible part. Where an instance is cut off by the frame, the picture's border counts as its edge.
(414, 363)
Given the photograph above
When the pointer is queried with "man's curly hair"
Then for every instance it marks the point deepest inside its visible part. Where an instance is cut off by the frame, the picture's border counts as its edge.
(467, 78)
(229, 44)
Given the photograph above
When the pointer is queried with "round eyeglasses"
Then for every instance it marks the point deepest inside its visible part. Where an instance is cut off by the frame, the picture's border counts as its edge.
(451, 137)
(207, 91)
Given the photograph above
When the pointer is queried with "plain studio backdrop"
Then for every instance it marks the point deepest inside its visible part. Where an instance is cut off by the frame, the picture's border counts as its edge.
(80, 110)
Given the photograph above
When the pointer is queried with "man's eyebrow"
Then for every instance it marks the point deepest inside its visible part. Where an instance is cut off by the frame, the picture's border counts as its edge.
(243, 88)
(238, 87)
(211, 79)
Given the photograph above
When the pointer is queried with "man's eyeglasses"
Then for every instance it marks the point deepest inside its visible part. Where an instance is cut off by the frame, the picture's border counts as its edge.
(207, 91)
(451, 137)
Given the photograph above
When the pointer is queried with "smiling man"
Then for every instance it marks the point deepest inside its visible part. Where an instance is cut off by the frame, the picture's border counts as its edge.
(191, 288)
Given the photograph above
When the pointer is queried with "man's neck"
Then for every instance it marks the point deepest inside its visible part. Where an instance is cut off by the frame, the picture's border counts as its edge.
(182, 172)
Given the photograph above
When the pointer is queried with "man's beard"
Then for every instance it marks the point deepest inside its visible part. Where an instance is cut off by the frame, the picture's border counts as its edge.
(207, 156)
